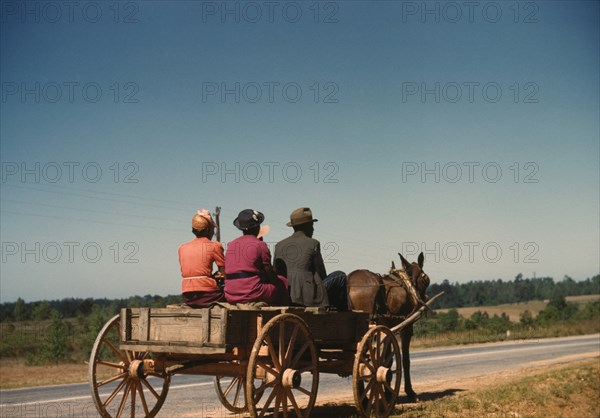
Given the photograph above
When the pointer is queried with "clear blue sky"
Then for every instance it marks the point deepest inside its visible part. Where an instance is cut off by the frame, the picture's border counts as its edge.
(398, 114)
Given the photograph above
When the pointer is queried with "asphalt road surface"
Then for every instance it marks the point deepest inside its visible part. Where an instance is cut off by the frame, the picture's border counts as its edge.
(194, 396)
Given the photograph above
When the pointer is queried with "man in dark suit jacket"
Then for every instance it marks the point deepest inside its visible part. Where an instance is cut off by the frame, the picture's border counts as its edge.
(298, 258)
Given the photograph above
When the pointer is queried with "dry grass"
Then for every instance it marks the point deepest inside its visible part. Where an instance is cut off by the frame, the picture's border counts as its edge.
(15, 374)
(514, 310)
(564, 391)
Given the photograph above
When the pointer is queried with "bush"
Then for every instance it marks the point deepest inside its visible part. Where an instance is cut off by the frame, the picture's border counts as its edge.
(55, 345)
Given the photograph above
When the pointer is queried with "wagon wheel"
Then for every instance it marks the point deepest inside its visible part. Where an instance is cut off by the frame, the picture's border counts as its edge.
(231, 392)
(283, 369)
(124, 382)
(377, 373)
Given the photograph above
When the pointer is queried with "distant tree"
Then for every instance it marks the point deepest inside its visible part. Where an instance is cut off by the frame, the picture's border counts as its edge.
(41, 311)
(450, 321)
(526, 318)
(55, 345)
(21, 311)
(480, 318)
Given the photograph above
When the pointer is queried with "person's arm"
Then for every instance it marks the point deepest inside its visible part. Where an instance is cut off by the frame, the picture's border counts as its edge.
(219, 259)
(266, 261)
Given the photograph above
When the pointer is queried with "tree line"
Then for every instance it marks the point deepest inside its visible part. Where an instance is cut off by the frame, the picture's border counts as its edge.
(457, 295)
(498, 292)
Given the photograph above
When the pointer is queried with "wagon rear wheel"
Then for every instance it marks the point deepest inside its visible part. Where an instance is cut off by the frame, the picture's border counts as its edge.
(377, 373)
(283, 369)
(123, 382)
(231, 392)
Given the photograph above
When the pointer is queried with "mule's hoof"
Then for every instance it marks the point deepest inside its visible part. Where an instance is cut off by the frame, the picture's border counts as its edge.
(412, 397)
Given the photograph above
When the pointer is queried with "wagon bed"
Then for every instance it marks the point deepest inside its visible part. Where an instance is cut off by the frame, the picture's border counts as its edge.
(225, 328)
(265, 360)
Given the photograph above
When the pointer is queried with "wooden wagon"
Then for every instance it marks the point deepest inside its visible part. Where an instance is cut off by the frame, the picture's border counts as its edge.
(265, 360)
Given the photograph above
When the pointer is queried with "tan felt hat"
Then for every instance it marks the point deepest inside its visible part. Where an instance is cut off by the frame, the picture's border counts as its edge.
(301, 216)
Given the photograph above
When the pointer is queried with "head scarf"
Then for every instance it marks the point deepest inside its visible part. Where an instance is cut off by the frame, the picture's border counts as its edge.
(202, 220)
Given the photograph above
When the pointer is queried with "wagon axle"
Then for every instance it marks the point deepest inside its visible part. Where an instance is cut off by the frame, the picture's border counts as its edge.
(140, 369)
(291, 378)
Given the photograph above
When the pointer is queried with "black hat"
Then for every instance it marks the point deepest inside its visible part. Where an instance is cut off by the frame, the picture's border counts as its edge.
(248, 219)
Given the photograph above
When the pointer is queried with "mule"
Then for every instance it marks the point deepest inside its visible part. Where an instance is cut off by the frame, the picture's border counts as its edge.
(388, 302)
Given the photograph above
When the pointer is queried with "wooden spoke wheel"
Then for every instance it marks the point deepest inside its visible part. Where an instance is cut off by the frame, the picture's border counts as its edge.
(231, 393)
(377, 373)
(123, 382)
(283, 375)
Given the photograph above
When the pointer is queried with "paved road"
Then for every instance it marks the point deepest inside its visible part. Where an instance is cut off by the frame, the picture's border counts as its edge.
(193, 396)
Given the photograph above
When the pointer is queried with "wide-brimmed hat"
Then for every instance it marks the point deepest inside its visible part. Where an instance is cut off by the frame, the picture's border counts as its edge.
(301, 216)
(202, 219)
(248, 219)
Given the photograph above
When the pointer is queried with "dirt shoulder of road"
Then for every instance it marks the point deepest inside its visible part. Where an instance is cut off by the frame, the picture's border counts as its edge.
(568, 386)
(486, 395)
(16, 374)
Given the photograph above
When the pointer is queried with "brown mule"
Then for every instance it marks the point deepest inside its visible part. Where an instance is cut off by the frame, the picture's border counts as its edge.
(388, 301)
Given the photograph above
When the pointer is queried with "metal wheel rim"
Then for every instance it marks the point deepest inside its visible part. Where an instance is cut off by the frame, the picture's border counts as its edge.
(122, 393)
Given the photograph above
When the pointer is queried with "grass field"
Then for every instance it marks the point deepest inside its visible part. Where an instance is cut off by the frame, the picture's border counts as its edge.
(16, 373)
(514, 310)
(562, 391)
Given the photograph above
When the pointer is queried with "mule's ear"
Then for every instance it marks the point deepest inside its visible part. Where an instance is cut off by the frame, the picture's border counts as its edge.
(421, 260)
(405, 262)
(393, 265)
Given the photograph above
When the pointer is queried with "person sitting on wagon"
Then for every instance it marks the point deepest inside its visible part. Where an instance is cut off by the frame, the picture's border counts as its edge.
(196, 258)
(249, 275)
(299, 258)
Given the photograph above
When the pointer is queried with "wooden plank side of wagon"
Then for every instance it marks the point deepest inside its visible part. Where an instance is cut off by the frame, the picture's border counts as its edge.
(336, 329)
(186, 331)
(213, 330)
(220, 329)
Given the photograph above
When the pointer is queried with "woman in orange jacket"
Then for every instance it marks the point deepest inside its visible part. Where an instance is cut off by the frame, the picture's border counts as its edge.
(198, 286)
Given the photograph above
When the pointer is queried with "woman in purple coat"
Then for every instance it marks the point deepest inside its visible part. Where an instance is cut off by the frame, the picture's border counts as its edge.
(249, 274)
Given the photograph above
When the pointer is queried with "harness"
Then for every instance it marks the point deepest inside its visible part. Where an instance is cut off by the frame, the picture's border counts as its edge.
(405, 282)
(400, 279)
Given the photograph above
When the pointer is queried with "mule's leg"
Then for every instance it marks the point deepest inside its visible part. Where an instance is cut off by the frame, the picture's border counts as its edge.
(405, 337)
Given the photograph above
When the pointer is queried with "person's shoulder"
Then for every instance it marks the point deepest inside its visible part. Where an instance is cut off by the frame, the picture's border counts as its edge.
(186, 244)
(216, 244)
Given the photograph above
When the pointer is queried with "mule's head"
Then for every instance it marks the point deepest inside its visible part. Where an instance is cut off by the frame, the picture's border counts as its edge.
(416, 274)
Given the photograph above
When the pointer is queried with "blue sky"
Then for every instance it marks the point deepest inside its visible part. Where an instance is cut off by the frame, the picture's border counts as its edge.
(472, 136)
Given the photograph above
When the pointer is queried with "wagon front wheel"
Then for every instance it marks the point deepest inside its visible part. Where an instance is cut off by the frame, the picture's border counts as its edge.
(283, 369)
(123, 382)
(376, 373)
